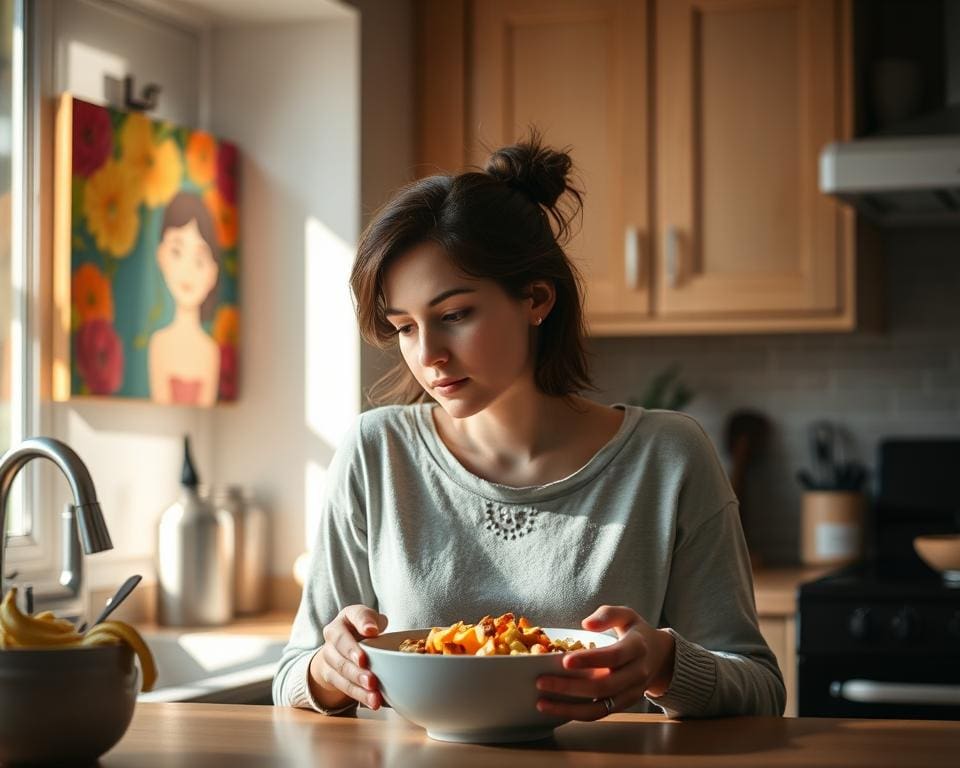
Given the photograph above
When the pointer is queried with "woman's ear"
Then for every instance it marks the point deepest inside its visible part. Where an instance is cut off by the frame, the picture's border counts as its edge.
(542, 297)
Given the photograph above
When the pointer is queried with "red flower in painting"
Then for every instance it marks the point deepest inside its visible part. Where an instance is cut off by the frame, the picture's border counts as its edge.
(227, 171)
(99, 355)
(92, 137)
(228, 373)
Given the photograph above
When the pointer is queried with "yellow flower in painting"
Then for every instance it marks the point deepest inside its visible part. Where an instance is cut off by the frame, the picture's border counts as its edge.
(224, 217)
(157, 166)
(91, 293)
(110, 199)
(162, 180)
(201, 157)
(226, 326)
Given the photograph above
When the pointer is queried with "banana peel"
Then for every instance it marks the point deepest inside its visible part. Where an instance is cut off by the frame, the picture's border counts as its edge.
(111, 632)
(44, 630)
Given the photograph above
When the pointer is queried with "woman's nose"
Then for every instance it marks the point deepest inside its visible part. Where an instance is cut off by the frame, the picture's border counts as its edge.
(432, 350)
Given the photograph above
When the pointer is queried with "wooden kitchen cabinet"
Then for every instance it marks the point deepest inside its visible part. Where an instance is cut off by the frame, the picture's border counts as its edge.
(775, 590)
(696, 127)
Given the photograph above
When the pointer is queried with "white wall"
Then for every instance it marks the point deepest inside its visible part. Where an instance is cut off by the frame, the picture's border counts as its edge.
(294, 109)
(289, 95)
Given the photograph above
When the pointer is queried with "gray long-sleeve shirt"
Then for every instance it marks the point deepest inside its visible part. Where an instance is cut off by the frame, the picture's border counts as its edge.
(649, 522)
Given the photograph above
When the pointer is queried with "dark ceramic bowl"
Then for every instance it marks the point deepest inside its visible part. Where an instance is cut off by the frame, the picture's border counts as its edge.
(65, 706)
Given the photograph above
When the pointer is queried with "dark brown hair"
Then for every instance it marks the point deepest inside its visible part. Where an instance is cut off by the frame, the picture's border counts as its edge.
(185, 207)
(507, 223)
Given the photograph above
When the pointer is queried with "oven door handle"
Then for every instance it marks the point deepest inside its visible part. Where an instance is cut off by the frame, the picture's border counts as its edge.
(878, 692)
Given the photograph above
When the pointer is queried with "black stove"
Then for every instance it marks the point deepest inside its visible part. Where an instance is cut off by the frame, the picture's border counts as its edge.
(881, 638)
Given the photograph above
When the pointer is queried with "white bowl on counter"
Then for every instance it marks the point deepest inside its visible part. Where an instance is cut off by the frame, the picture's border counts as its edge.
(474, 699)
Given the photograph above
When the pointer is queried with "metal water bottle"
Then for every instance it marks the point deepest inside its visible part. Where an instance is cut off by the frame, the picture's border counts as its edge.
(195, 557)
(252, 547)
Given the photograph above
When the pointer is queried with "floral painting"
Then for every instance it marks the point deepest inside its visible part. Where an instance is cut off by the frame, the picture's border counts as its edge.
(147, 229)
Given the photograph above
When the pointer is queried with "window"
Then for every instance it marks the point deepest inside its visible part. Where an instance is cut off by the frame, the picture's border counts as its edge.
(18, 373)
(6, 235)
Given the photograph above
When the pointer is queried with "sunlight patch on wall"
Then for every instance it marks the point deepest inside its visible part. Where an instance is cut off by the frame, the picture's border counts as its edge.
(331, 340)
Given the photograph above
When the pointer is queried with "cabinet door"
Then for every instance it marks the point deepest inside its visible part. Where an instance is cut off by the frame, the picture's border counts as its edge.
(577, 70)
(748, 92)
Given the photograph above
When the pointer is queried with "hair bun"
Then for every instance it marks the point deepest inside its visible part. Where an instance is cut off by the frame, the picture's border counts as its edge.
(539, 172)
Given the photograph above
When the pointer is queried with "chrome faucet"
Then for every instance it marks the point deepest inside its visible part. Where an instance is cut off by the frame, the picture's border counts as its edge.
(92, 528)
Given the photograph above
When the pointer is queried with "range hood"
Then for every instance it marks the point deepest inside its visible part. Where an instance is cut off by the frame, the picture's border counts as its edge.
(909, 180)
(911, 173)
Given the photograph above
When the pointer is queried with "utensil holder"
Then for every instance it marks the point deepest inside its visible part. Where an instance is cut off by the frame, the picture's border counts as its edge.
(831, 527)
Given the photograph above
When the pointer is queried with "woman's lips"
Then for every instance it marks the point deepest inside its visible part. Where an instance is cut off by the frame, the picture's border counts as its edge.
(451, 387)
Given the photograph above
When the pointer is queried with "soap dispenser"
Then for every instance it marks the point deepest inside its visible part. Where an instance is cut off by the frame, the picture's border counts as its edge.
(195, 557)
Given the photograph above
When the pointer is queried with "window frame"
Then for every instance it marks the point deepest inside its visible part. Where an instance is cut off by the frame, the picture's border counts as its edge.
(33, 553)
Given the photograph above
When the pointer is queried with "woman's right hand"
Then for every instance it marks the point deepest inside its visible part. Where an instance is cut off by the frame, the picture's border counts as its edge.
(338, 671)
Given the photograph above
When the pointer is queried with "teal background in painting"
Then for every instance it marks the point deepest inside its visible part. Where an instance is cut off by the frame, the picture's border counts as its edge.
(142, 303)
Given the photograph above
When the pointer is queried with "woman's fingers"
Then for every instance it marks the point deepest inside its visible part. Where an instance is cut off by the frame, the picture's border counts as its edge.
(590, 710)
(612, 656)
(600, 685)
(366, 621)
(617, 617)
(344, 659)
(343, 675)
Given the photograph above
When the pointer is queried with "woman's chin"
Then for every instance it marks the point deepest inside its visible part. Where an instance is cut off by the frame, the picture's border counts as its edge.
(457, 408)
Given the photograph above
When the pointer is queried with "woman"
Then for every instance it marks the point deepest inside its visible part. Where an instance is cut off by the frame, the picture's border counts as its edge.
(499, 488)
(183, 359)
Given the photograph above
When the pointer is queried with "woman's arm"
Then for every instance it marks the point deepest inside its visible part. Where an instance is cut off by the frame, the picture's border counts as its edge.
(338, 576)
(722, 664)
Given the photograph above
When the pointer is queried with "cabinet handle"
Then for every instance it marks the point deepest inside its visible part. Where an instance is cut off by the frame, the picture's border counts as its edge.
(672, 256)
(632, 257)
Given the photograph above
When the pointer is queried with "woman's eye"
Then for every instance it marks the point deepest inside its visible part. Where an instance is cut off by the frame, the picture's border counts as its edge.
(404, 330)
(455, 317)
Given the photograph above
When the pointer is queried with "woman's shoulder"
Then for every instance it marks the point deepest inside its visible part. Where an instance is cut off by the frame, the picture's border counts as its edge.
(674, 433)
(384, 423)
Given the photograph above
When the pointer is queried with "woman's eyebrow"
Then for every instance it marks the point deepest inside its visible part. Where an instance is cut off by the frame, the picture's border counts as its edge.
(433, 302)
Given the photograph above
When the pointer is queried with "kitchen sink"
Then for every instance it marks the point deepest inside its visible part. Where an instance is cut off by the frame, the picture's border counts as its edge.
(213, 667)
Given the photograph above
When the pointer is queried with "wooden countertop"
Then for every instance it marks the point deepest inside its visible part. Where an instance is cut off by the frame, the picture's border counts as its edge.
(207, 735)
(776, 588)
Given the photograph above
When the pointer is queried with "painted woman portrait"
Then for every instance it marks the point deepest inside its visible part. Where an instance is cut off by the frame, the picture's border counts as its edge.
(183, 359)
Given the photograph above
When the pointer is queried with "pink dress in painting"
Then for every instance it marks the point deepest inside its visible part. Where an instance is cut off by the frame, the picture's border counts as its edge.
(185, 391)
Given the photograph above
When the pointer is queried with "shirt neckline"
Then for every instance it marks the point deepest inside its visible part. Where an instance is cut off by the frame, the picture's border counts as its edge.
(451, 466)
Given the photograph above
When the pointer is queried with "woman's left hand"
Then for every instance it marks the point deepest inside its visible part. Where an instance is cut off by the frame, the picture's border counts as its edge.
(615, 677)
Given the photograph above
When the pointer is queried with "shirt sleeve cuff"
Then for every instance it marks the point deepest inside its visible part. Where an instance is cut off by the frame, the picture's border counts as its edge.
(300, 695)
(694, 681)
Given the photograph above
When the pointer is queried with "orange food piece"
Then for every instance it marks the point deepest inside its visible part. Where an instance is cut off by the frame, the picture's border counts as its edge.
(470, 637)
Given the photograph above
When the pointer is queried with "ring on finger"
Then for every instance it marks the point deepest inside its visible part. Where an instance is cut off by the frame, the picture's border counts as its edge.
(608, 704)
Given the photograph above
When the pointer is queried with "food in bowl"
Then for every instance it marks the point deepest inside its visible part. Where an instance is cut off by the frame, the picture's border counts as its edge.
(65, 698)
(430, 689)
(503, 636)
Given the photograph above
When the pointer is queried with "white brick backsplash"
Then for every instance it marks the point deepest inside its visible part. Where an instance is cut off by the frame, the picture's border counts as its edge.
(903, 382)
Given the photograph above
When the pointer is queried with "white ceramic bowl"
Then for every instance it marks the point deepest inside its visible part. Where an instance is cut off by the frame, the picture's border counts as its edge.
(942, 553)
(477, 699)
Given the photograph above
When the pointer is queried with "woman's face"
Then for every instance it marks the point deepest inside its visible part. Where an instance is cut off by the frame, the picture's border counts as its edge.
(466, 341)
(187, 264)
